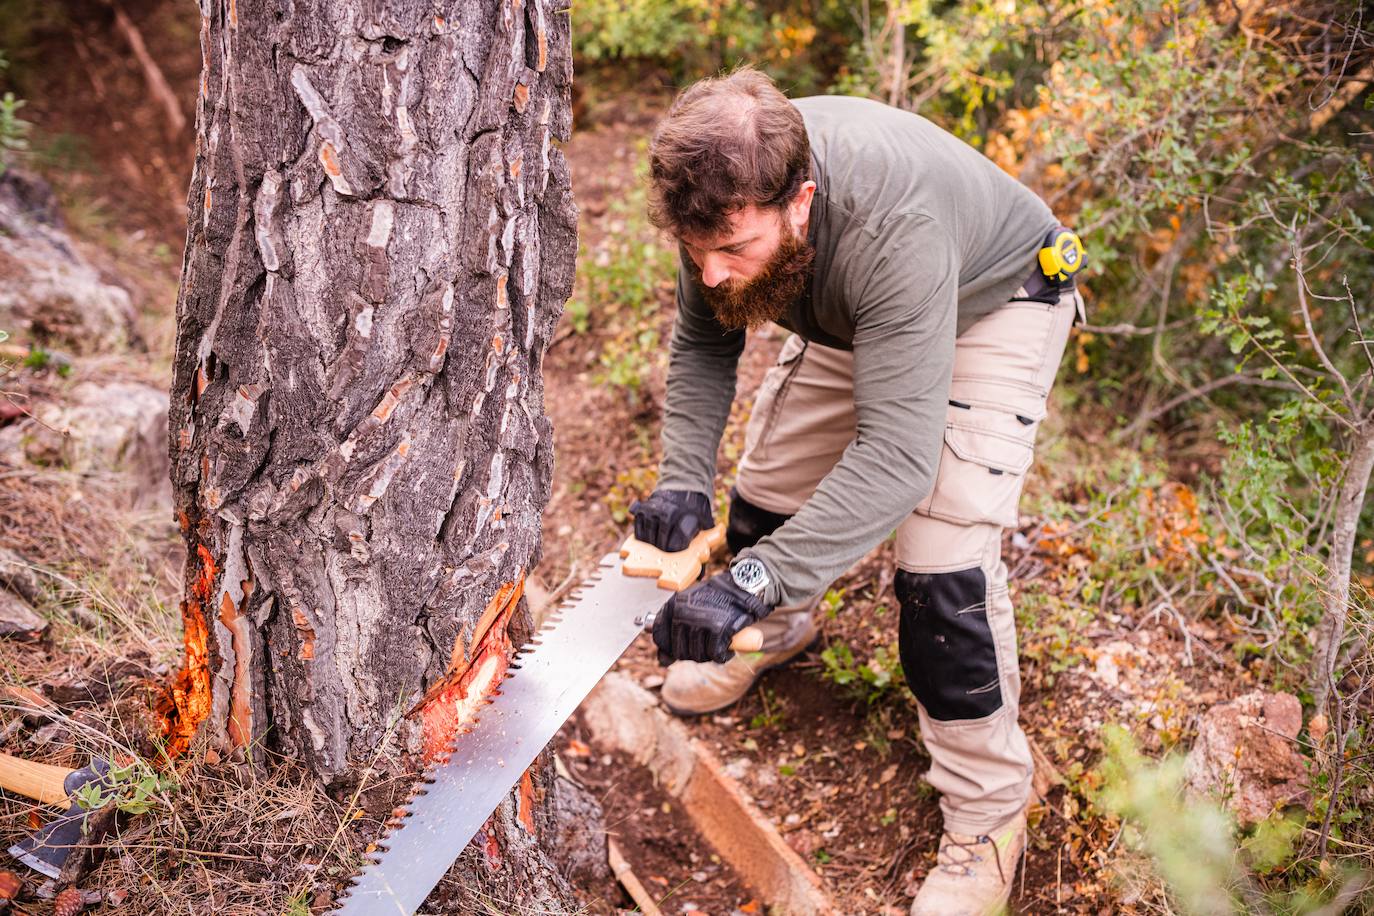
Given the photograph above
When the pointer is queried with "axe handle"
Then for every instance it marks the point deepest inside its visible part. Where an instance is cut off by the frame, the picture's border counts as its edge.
(39, 781)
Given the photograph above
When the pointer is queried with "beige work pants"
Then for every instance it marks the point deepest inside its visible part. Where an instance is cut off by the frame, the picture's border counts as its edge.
(957, 627)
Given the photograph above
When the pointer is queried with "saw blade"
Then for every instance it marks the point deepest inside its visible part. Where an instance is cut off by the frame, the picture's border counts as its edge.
(547, 681)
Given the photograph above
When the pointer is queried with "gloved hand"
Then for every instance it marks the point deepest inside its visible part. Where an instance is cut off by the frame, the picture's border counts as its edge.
(669, 519)
(698, 623)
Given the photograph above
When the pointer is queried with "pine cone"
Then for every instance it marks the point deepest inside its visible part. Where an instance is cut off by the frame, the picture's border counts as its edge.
(69, 902)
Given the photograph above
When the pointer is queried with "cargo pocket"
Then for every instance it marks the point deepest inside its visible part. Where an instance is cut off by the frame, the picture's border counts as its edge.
(983, 467)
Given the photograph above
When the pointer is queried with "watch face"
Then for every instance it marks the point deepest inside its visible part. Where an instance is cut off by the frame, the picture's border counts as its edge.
(750, 575)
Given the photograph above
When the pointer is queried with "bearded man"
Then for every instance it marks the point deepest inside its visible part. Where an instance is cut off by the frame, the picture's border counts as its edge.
(926, 333)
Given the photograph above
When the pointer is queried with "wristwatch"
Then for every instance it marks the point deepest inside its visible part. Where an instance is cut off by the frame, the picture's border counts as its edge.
(751, 575)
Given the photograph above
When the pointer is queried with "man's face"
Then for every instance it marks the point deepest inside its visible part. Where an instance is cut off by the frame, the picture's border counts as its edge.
(751, 273)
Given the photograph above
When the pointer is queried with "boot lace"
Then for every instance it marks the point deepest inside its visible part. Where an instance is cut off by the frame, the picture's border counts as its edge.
(958, 854)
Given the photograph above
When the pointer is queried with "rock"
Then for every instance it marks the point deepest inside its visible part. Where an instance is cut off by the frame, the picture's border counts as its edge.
(53, 731)
(17, 619)
(1246, 752)
(804, 842)
(16, 574)
(47, 289)
(109, 426)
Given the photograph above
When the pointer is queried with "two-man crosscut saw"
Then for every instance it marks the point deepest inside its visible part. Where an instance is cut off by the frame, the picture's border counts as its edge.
(547, 680)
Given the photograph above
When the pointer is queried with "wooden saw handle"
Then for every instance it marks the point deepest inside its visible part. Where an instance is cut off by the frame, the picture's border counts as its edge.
(676, 571)
(40, 781)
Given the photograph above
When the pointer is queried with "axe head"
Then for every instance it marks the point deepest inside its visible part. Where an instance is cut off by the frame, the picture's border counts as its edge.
(47, 850)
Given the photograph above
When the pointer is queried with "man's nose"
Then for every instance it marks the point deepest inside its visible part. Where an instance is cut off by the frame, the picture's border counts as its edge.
(713, 272)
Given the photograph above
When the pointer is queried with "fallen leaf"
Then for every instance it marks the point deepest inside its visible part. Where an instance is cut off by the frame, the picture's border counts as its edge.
(1317, 729)
(578, 748)
(888, 775)
(751, 907)
(9, 885)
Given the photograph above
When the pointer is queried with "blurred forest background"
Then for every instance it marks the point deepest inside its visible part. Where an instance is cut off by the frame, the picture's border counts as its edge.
(1206, 469)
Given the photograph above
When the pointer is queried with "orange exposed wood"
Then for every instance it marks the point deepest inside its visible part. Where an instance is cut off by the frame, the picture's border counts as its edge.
(187, 703)
(306, 633)
(392, 397)
(526, 807)
(522, 97)
(330, 159)
(493, 851)
(240, 727)
(453, 702)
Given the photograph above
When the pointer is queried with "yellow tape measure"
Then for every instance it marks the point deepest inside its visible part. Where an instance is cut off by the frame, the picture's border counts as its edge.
(1063, 255)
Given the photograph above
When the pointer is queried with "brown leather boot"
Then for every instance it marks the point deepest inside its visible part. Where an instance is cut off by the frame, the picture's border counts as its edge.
(973, 874)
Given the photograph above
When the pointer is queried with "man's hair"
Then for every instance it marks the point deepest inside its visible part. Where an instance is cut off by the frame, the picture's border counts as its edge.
(727, 143)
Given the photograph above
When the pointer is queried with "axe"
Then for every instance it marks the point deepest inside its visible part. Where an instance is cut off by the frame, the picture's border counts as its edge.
(48, 849)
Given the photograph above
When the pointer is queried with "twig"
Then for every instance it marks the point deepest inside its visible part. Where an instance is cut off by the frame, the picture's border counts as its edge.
(152, 73)
(1130, 330)
(1202, 390)
(626, 876)
(1339, 755)
(1312, 337)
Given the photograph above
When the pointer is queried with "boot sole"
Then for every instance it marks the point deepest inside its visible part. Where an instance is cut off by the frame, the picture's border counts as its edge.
(693, 714)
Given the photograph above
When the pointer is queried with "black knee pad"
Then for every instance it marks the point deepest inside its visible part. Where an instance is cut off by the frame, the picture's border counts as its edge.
(749, 523)
(946, 644)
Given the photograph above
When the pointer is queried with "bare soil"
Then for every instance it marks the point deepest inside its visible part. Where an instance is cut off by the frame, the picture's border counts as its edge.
(655, 835)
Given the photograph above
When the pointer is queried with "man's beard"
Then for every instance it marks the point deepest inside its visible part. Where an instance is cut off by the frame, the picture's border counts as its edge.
(781, 282)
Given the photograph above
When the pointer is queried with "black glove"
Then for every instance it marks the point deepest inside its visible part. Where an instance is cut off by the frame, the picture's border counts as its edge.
(698, 623)
(669, 519)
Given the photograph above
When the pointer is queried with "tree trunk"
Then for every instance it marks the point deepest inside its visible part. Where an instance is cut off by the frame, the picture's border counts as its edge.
(381, 237)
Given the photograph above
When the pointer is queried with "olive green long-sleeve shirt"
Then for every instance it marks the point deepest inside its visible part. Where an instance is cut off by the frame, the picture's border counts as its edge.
(917, 235)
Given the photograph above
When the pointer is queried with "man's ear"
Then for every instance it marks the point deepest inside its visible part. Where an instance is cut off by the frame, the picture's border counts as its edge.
(799, 208)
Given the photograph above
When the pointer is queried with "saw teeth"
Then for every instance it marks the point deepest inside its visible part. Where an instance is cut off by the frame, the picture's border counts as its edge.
(463, 755)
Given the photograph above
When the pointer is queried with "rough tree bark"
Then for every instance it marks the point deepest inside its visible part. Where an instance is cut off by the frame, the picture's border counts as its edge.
(381, 237)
